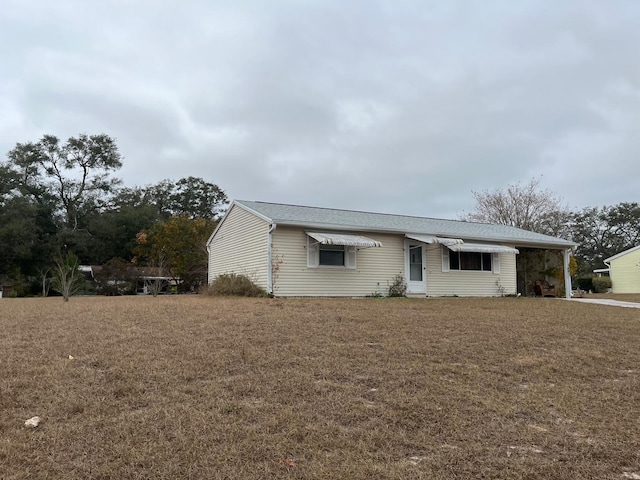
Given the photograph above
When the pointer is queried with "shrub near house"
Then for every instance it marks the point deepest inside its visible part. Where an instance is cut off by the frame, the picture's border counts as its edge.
(232, 284)
(601, 284)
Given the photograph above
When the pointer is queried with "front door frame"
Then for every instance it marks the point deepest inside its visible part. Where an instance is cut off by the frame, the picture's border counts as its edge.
(415, 286)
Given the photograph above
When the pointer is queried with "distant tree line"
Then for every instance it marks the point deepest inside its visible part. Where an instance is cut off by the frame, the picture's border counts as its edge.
(601, 232)
(58, 197)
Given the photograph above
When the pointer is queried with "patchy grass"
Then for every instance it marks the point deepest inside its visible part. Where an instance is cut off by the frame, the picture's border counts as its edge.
(206, 387)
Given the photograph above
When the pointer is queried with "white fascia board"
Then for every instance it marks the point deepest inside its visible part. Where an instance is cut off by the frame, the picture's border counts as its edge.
(543, 245)
(621, 254)
(224, 217)
(561, 244)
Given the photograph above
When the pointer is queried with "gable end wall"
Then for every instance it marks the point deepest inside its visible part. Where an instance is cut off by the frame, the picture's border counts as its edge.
(240, 246)
(625, 273)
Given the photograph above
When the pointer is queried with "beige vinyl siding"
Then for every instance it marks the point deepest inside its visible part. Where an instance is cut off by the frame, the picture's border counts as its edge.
(375, 267)
(240, 246)
(468, 283)
(625, 273)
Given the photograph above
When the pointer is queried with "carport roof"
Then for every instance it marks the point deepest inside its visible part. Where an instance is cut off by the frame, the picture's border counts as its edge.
(351, 220)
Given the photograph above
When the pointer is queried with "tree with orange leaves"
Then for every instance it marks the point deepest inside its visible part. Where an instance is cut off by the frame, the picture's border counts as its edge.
(179, 244)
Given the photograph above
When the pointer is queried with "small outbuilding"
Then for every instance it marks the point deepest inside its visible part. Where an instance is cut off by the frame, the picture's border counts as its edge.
(624, 270)
(300, 251)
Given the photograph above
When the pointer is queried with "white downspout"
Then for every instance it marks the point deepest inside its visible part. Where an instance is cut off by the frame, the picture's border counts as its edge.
(270, 260)
(567, 277)
(208, 264)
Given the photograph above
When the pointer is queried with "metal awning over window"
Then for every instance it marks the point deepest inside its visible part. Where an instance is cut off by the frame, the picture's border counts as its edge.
(482, 248)
(344, 239)
(434, 239)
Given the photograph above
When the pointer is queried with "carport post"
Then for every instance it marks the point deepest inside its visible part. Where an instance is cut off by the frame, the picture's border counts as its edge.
(567, 276)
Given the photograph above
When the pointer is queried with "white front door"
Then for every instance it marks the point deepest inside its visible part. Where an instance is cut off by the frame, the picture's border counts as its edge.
(415, 270)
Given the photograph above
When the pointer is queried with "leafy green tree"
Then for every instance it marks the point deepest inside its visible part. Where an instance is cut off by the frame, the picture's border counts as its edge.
(49, 190)
(192, 197)
(602, 232)
(27, 237)
(28, 228)
(113, 233)
(55, 193)
(76, 173)
(9, 181)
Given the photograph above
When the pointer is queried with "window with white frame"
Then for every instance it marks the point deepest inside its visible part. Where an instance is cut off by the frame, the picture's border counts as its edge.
(470, 261)
(474, 258)
(320, 255)
(331, 255)
(477, 261)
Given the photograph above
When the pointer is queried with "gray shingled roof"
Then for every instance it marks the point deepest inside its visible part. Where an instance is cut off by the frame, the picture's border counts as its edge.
(333, 219)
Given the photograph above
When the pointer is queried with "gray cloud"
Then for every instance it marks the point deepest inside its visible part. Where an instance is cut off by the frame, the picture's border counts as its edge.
(401, 106)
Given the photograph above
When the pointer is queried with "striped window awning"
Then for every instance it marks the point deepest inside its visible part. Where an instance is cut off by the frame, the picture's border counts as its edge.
(433, 239)
(324, 238)
(482, 248)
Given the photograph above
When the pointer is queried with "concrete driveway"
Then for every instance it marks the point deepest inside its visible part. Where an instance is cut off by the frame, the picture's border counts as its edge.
(604, 301)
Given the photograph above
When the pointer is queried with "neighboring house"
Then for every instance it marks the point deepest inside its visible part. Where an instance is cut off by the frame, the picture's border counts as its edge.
(624, 270)
(307, 251)
(133, 279)
(602, 272)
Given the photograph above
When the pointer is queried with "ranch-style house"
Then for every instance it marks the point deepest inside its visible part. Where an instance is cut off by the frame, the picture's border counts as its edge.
(299, 251)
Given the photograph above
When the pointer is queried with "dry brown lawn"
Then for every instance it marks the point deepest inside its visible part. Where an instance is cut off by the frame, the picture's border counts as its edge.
(208, 388)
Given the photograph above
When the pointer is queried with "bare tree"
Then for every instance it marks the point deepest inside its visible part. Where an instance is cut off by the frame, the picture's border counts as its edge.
(522, 206)
(46, 280)
(155, 284)
(67, 278)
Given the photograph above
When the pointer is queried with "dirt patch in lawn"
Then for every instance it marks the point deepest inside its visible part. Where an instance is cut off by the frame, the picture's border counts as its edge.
(202, 387)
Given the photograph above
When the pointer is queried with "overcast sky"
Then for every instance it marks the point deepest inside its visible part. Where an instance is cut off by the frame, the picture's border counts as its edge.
(396, 106)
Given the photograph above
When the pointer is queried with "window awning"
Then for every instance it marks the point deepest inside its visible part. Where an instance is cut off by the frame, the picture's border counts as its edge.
(344, 239)
(482, 248)
(434, 239)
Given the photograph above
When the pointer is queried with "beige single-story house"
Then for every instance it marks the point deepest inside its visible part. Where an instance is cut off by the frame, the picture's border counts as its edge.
(299, 251)
(624, 270)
